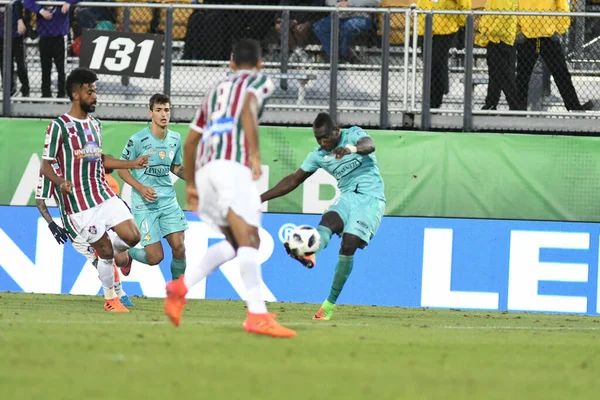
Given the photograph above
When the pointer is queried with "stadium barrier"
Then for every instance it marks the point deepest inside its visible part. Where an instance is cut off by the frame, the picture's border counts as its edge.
(393, 74)
(412, 262)
(494, 176)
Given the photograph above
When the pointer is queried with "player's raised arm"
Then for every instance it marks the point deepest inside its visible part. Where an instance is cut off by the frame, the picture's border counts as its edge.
(286, 185)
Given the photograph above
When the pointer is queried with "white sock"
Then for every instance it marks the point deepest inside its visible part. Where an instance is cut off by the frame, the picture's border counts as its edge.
(251, 276)
(107, 277)
(119, 289)
(216, 255)
(118, 244)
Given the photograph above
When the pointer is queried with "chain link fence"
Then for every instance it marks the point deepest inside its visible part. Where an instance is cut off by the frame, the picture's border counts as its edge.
(383, 67)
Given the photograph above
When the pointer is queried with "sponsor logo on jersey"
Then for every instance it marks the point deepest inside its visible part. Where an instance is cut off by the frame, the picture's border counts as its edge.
(345, 168)
(171, 154)
(159, 170)
(90, 152)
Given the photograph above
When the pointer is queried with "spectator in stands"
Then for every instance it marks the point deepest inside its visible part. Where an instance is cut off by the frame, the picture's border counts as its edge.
(211, 33)
(541, 36)
(18, 52)
(52, 28)
(89, 17)
(351, 25)
(445, 27)
(300, 27)
(497, 33)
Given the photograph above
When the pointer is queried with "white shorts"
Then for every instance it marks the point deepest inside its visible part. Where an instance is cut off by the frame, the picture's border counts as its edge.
(224, 185)
(84, 248)
(92, 224)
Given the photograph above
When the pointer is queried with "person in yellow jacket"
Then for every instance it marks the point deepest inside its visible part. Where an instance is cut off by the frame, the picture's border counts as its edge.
(445, 27)
(498, 33)
(541, 36)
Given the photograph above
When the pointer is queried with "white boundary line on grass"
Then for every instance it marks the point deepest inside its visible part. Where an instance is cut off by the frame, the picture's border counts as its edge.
(320, 323)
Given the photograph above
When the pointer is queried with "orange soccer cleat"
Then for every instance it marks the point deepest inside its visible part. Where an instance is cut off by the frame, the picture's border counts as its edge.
(175, 300)
(265, 324)
(114, 305)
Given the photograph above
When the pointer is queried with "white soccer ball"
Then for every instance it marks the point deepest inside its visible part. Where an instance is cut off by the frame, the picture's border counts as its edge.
(304, 240)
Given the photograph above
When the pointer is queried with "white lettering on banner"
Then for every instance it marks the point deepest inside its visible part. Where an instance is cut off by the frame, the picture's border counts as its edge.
(45, 276)
(28, 184)
(311, 188)
(437, 276)
(42, 277)
(526, 270)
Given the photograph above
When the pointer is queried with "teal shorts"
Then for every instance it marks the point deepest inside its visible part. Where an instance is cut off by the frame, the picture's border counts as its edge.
(360, 213)
(157, 224)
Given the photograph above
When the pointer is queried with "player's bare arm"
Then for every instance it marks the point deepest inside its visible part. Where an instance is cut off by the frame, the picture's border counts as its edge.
(364, 146)
(178, 170)
(112, 163)
(286, 185)
(43, 209)
(249, 120)
(59, 233)
(147, 192)
(189, 165)
(65, 186)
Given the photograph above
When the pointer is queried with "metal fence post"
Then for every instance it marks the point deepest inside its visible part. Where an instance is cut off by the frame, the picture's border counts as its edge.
(7, 60)
(468, 94)
(285, 46)
(414, 56)
(168, 51)
(406, 51)
(427, 53)
(126, 25)
(335, 45)
(385, 71)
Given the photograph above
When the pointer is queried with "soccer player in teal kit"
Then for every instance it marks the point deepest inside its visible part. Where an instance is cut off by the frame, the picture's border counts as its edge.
(355, 216)
(153, 201)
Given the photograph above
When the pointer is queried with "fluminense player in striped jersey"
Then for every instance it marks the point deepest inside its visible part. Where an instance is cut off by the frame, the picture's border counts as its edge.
(74, 140)
(220, 184)
(46, 190)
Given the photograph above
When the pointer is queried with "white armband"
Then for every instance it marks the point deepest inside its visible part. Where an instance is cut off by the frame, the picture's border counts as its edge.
(351, 148)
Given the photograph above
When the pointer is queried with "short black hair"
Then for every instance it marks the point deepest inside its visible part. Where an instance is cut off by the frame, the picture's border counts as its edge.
(159, 98)
(325, 121)
(247, 52)
(79, 77)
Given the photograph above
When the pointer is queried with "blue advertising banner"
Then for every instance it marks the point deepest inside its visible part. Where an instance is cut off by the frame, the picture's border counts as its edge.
(412, 262)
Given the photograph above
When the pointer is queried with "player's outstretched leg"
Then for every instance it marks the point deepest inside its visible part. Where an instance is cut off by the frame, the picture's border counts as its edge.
(343, 269)
(258, 320)
(215, 256)
(310, 261)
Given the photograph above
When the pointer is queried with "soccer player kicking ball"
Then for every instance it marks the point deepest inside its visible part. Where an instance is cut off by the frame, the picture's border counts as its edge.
(74, 140)
(223, 189)
(355, 216)
(154, 202)
(46, 190)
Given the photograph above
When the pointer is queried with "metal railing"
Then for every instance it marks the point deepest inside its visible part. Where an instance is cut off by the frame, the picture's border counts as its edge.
(383, 78)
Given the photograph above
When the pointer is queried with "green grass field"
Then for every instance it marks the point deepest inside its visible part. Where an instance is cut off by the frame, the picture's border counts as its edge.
(67, 347)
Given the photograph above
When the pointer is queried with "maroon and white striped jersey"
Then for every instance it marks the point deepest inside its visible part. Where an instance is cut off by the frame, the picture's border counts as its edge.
(76, 145)
(219, 117)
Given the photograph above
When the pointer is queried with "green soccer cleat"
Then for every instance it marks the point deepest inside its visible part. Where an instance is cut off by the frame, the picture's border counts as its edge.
(325, 312)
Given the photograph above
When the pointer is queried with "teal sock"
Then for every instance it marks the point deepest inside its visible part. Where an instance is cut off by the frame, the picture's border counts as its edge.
(343, 269)
(177, 268)
(138, 255)
(325, 234)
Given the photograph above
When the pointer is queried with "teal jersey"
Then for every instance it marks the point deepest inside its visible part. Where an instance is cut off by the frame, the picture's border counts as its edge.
(163, 154)
(354, 172)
